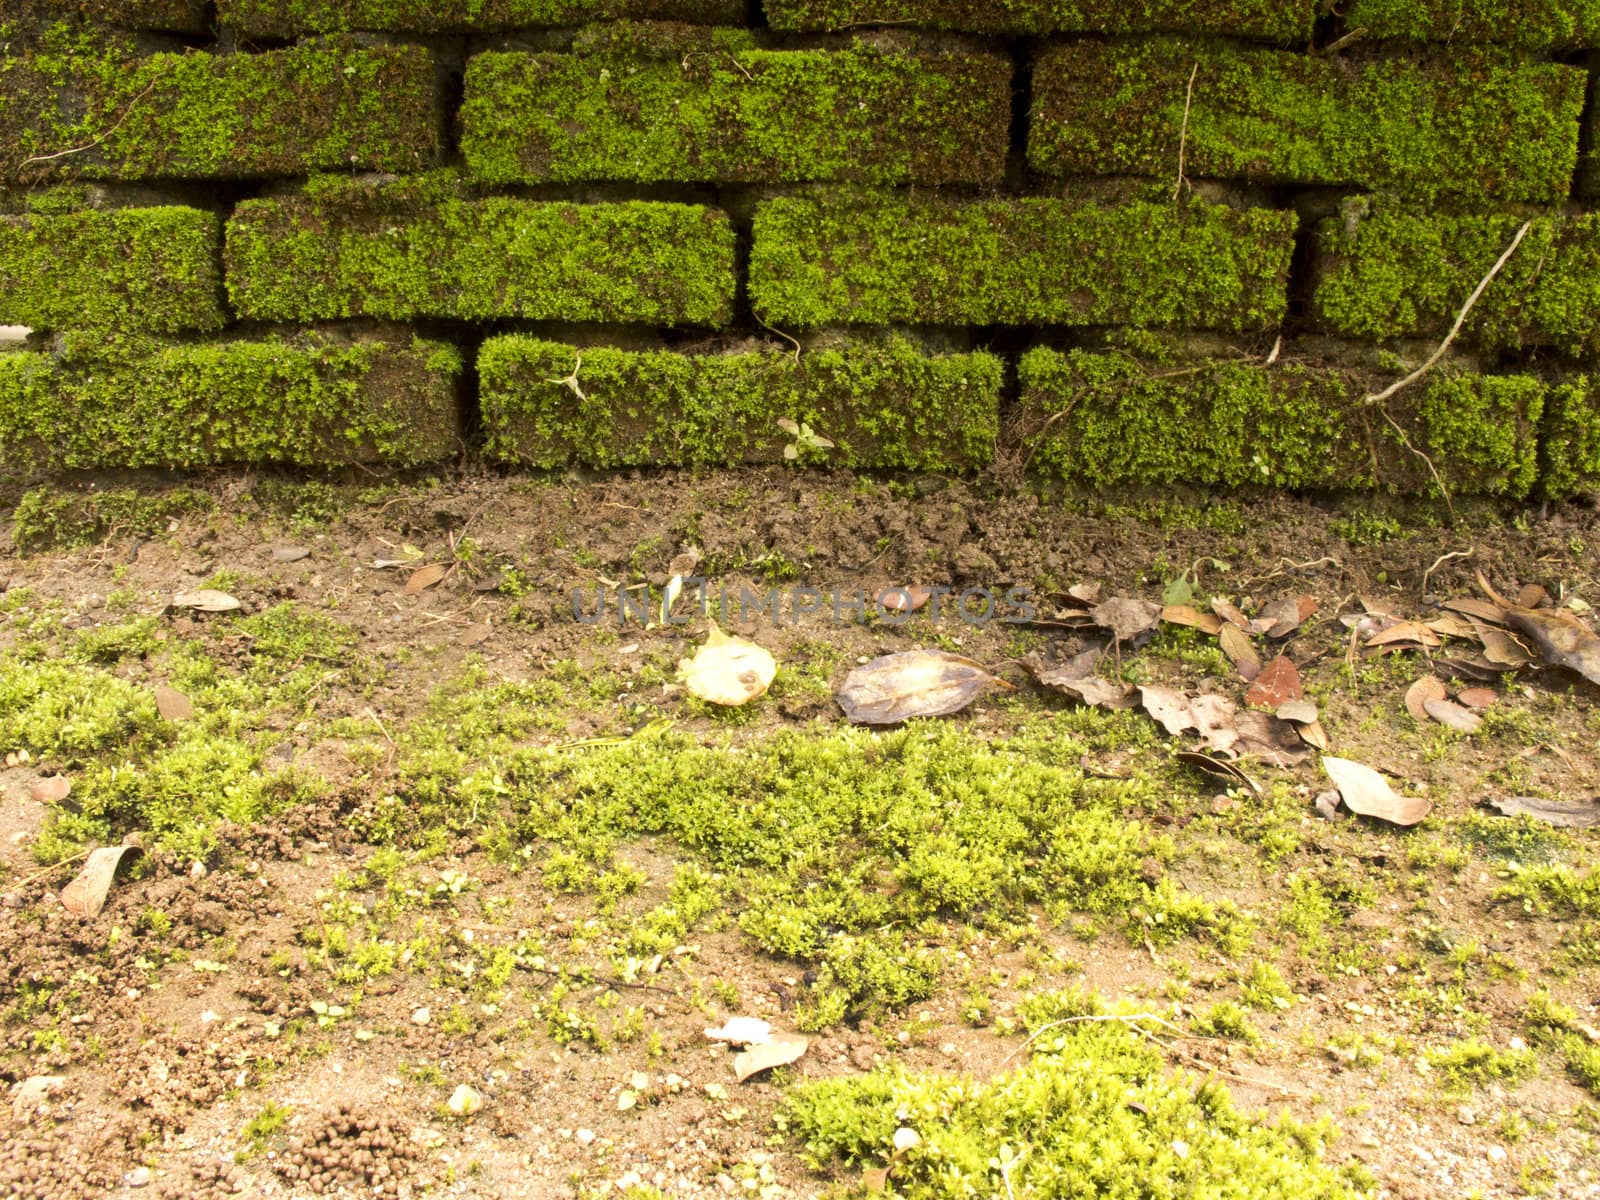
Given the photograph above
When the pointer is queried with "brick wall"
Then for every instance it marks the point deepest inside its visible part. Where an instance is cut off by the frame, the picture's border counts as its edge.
(645, 232)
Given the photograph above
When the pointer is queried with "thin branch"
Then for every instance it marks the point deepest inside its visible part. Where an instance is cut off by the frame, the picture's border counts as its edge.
(126, 113)
(1440, 561)
(1183, 134)
(794, 341)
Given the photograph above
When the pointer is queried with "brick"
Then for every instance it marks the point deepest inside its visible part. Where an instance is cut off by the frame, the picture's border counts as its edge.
(312, 401)
(730, 112)
(883, 404)
(173, 16)
(144, 270)
(329, 105)
(1103, 419)
(1262, 20)
(421, 248)
(1532, 24)
(1385, 271)
(1471, 124)
(854, 258)
(289, 18)
(1569, 451)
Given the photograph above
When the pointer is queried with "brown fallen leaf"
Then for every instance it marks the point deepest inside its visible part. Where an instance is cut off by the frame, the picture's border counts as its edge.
(1368, 793)
(1313, 734)
(172, 704)
(1214, 719)
(1502, 650)
(729, 671)
(1169, 708)
(1126, 617)
(86, 895)
(1379, 606)
(1562, 640)
(875, 1179)
(912, 683)
(206, 600)
(1193, 618)
(1229, 613)
(1471, 666)
(1283, 616)
(1450, 625)
(1077, 678)
(1218, 768)
(778, 1051)
(424, 578)
(1278, 683)
(1301, 712)
(1479, 610)
(1532, 595)
(1406, 633)
(1451, 714)
(1236, 645)
(1477, 697)
(1585, 814)
(1429, 687)
(52, 789)
(1276, 743)
(1087, 594)
(904, 599)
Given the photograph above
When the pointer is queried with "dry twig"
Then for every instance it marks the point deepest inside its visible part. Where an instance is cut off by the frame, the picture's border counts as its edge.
(1183, 133)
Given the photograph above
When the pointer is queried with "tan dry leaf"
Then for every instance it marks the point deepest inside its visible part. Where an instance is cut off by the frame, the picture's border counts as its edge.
(1477, 697)
(912, 683)
(729, 671)
(1532, 595)
(1277, 743)
(781, 1050)
(1283, 616)
(1585, 814)
(1192, 618)
(1236, 645)
(1406, 632)
(1313, 734)
(206, 600)
(1479, 610)
(172, 704)
(1429, 687)
(1449, 713)
(1169, 708)
(1450, 625)
(1368, 793)
(86, 895)
(1301, 712)
(1562, 640)
(875, 1179)
(1503, 650)
(424, 578)
(1077, 678)
(1126, 617)
(1229, 613)
(1214, 718)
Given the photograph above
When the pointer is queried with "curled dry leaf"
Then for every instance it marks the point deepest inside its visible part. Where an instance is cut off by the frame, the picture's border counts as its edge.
(172, 704)
(1313, 734)
(1429, 687)
(1562, 640)
(52, 789)
(1277, 684)
(1406, 633)
(1366, 792)
(1236, 645)
(1077, 678)
(729, 671)
(1503, 651)
(424, 578)
(1585, 814)
(1451, 714)
(1192, 618)
(1283, 616)
(1126, 617)
(1218, 768)
(206, 600)
(912, 683)
(778, 1051)
(86, 895)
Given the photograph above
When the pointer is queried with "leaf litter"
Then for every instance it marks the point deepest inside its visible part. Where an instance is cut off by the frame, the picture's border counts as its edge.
(912, 683)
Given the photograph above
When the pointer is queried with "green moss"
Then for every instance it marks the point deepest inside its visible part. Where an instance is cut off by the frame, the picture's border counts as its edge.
(309, 401)
(177, 16)
(420, 248)
(1475, 124)
(1105, 418)
(151, 270)
(66, 714)
(1268, 20)
(1535, 24)
(875, 259)
(883, 405)
(1476, 1061)
(1569, 451)
(1385, 270)
(331, 105)
(48, 519)
(736, 114)
(285, 18)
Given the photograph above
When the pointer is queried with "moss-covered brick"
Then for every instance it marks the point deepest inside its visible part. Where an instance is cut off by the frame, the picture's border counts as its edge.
(1569, 451)
(1386, 271)
(883, 404)
(421, 248)
(848, 258)
(148, 270)
(308, 401)
(176, 16)
(328, 105)
(737, 114)
(287, 18)
(1263, 20)
(1099, 419)
(1472, 123)
(1535, 24)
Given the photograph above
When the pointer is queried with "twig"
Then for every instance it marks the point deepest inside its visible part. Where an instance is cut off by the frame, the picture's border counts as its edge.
(1426, 461)
(126, 113)
(1183, 133)
(1277, 346)
(793, 341)
(1354, 35)
(41, 873)
(1440, 561)
(381, 729)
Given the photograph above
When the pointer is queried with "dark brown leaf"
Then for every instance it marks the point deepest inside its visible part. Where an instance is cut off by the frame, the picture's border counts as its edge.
(1218, 768)
(912, 683)
(1274, 742)
(1429, 687)
(1283, 616)
(1278, 683)
(1585, 814)
(1236, 645)
(1366, 792)
(1447, 712)
(1562, 640)
(424, 578)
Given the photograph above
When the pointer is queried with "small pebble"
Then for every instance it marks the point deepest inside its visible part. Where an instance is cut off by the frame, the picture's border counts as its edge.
(138, 1177)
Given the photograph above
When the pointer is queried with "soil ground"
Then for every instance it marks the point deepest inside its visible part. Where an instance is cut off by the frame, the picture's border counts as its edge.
(208, 1035)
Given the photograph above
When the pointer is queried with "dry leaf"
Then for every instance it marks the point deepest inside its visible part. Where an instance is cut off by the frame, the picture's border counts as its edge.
(172, 704)
(1213, 717)
(1229, 613)
(1474, 666)
(1429, 687)
(1086, 594)
(465, 1100)
(1502, 650)
(1077, 678)
(1278, 683)
(1451, 625)
(1276, 743)
(1218, 768)
(1193, 618)
(1406, 632)
(1563, 641)
(1532, 596)
(1169, 708)
(912, 683)
(1480, 610)
(1477, 697)
(1236, 645)
(1126, 617)
(1585, 814)
(741, 1031)
(1282, 617)
(781, 1050)
(904, 599)
(206, 600)
(86, 895)
(1301, 712)
(52, 789)
(424, 578)
(1313, 734)
(875, 1179)
(729, 671)
(1447, 712)
(1366, 792)
(289, 554)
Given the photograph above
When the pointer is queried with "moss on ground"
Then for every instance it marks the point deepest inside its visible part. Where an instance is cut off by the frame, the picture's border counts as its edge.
(722, 109)
(1475, 124)
(308, 401)
(143, 270)
(1266, 20)
(326, 105)
(50, 519)
(420, 247)
(286, 18)
(1110, 418)
(876, 259)
(1533, 24)
(882, 405)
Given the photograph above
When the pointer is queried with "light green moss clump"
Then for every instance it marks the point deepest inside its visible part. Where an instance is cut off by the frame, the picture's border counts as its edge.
(1263, 20)
(309, 401)
(1110, 418)
(329, 105)
(286, 18)
(420, 247)
(1569, 450)
(721, 109)
(876, 259)
(1533, 24)
(1385, 270)
(883, 405)
(151, 270)
(1474, 123)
